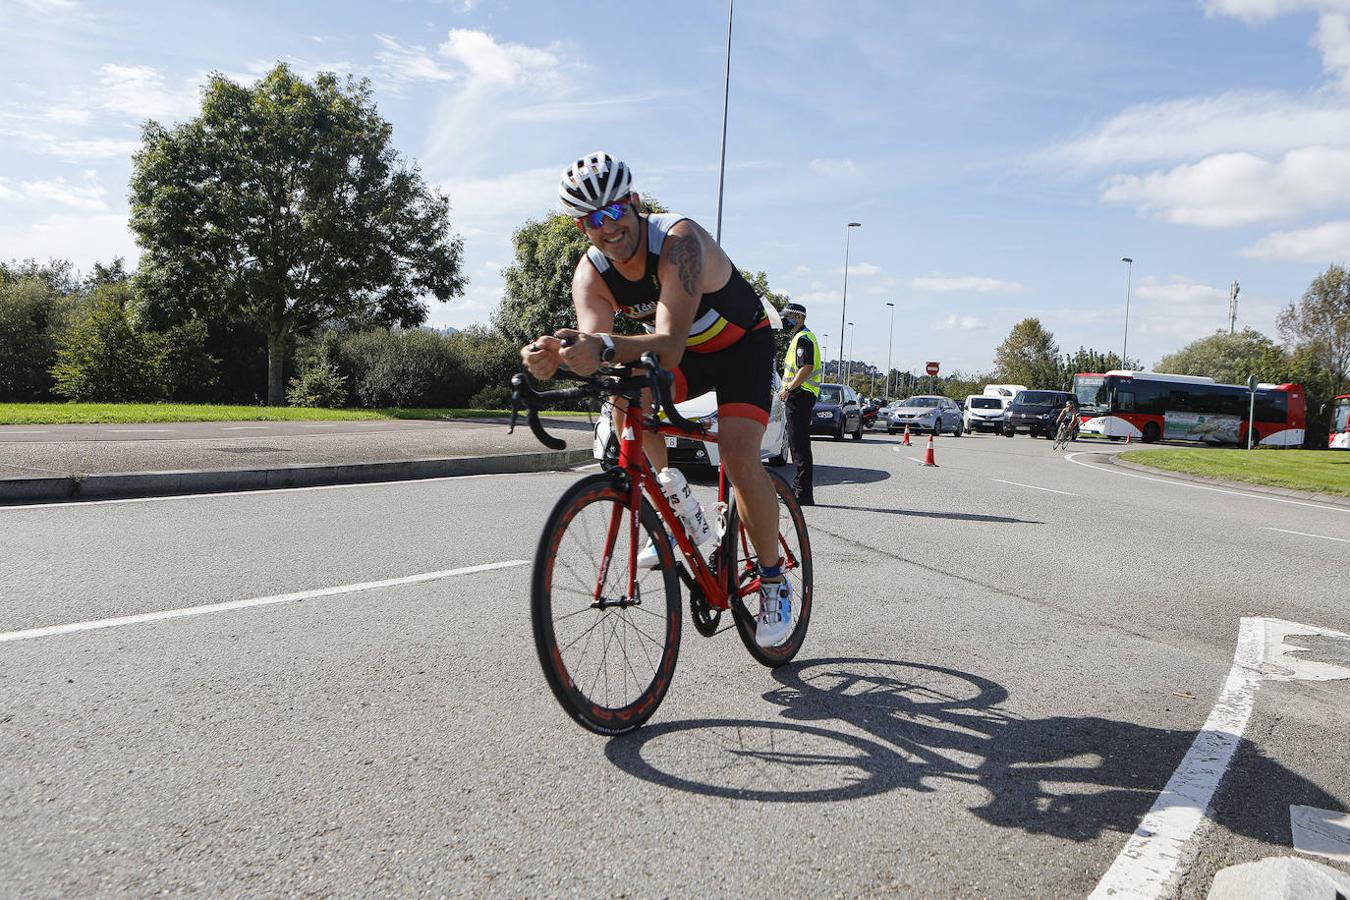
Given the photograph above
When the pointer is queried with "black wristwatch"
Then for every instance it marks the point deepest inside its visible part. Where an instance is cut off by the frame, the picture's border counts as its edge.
(607, 353)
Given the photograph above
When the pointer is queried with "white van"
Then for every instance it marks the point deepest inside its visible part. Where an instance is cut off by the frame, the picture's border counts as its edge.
(1006, 391)
(984, 412)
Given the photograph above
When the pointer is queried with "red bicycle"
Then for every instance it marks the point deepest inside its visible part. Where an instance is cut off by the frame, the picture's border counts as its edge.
(608, 631)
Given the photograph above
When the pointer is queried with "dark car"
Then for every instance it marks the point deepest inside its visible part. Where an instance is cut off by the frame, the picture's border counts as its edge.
(1034, 412)
(837, 412)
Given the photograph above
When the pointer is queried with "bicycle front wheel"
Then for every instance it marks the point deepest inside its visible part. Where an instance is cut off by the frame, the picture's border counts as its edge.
(794, 548)
(607, 645)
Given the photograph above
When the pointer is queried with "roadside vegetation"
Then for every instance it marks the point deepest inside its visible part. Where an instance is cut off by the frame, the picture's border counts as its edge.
(1300, 470)
(139, 413)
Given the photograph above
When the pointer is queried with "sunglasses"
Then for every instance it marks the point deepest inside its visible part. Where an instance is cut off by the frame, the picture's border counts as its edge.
(614, 211)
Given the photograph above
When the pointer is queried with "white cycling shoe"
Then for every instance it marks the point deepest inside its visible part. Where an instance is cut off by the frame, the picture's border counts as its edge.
(773, 625)
(648, 558)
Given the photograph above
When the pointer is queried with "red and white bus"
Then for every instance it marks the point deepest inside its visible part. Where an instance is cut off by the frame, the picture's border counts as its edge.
(1339, 439)
(1151, 406)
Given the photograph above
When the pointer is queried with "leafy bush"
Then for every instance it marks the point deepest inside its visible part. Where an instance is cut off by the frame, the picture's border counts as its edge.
(32, 314)
(189, 372)
(320, 384)
(102, 358)
(485, 362)
(397, 368)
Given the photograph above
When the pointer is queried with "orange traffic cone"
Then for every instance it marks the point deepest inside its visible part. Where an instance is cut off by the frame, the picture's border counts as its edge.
(1127, 436)
(928, 454)
(905, 441)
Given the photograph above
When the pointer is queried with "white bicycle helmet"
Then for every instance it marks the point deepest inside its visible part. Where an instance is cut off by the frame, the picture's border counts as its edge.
(594, 182)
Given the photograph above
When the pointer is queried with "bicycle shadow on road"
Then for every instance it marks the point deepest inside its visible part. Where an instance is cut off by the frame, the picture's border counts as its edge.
(915, 726)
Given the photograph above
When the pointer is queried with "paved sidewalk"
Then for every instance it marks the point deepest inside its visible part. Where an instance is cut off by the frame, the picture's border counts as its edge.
(56, 462)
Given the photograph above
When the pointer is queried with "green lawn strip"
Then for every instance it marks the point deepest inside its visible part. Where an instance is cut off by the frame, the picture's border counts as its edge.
(129, 413)
(1318, 471)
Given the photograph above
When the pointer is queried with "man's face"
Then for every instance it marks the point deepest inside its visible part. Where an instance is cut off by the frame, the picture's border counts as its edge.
(617, 239)
(793, 321)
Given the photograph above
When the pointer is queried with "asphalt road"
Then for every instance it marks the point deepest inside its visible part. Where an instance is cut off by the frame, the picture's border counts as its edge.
(1009, 657)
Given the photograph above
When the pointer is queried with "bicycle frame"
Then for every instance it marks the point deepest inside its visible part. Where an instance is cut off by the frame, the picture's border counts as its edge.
(718, 589)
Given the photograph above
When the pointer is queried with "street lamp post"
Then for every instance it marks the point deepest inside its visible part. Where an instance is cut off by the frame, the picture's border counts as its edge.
(824, 352)
(1129, 278)
(726, 98)
(843, 313)
(849, 370)
(890, 343)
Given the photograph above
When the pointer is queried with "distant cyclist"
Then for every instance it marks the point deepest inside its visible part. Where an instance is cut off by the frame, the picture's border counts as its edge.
(704, 322)
(1068, 415)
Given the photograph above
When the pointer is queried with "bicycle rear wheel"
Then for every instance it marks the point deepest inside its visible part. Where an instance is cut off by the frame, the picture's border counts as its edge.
(608, 655)
(794, 545)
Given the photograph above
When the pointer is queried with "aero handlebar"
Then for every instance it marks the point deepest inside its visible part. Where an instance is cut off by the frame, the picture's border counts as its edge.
(626, 381)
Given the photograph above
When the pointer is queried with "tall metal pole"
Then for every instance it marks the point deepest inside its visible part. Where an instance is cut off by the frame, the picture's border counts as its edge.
(849, 370)
(824, 351)
(726, 102)
(1129, 277)
(890, 343)
(843, 313)
(1232, 307)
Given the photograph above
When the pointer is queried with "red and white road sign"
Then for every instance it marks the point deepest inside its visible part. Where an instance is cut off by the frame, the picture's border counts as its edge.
(932, 368)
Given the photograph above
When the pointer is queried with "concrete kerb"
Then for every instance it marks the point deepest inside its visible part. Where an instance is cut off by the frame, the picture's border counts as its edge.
(122, 485)
(1330, 499)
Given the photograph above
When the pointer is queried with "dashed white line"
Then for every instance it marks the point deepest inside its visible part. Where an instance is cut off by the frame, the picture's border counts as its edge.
(1034, 487)
(244, 427)
(318, 424)
(1189, 484)
(1325, 537)
(54, 630)
(3, 433)
(140, 430)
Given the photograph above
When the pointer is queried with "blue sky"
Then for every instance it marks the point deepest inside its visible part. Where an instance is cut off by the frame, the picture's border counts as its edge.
(1002, 156)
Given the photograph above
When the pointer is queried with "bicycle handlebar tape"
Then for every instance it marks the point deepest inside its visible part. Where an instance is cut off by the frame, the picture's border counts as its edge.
(928, 459)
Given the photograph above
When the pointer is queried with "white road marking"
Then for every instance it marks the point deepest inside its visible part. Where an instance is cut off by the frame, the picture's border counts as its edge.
(1191, 484)
(1150, 859)
(53, 630)
(3, 433)
(318, 424)
(244, 427)
(139, 430)
(1034, 487)
(1324, 537)
(1323, 832)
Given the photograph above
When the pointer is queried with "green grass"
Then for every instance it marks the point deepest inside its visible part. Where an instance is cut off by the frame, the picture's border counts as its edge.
(1321, 471)
(127, 413)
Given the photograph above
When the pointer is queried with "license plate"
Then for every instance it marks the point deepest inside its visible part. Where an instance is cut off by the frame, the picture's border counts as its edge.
(670, 441)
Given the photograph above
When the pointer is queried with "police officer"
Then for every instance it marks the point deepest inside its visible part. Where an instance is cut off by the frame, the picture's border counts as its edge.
(801, 389)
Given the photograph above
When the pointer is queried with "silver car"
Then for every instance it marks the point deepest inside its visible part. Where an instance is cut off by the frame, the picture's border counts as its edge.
(925, 413)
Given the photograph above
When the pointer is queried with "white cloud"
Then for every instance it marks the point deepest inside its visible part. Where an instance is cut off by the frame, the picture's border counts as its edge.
(1333, 40)
(833, 166)
(1234, 189)
(953, 322)
(860, 270)
(140, 93)
(82, 238)
(50, 8)
(90, 196)
(798, 272)
(1262, 10)
(1179, 290)
(943, 284)
(410, 63)
(1265, 124)
(1329, 242)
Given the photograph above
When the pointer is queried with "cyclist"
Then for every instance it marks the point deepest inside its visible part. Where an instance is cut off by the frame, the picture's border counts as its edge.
(1069, 415)
(704, 322)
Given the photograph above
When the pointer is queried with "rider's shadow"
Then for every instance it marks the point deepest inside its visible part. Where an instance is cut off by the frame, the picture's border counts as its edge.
(917, 727)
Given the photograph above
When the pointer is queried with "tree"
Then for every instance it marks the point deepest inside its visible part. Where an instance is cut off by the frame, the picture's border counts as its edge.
(32, 314)
(1227, 358)
(285, 204)
(1320, 323)
(102, 358)
(1029, 356)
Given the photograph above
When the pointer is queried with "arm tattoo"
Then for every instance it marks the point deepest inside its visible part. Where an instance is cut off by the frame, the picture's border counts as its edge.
(686, 254)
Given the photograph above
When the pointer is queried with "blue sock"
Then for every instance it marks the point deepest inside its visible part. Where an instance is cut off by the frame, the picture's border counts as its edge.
(772, 573)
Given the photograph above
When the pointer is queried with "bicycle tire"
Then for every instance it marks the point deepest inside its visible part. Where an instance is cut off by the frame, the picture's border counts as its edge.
(570, 546)
(739, 557)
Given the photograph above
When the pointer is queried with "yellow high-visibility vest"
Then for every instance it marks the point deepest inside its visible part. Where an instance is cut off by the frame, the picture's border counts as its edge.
(812, 382)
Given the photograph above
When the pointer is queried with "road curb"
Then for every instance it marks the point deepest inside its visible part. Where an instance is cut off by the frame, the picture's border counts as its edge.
(1330, 499)
(123, 485)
